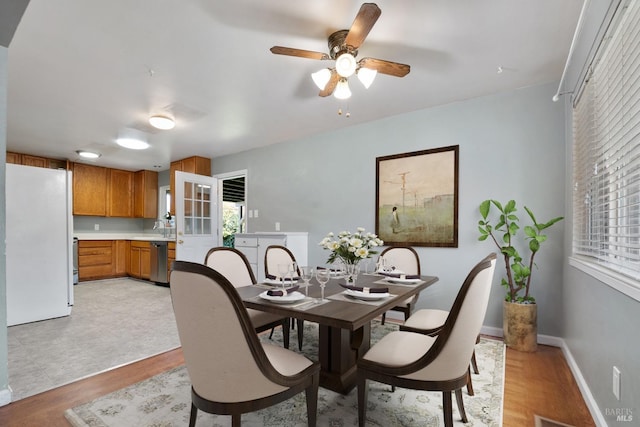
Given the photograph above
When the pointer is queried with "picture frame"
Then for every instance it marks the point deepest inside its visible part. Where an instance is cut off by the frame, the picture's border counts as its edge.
(417, 198)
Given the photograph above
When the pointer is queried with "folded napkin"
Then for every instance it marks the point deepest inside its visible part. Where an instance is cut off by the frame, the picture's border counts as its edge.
(400, 276)
(282, 292)
(286, 279)
(366, 290)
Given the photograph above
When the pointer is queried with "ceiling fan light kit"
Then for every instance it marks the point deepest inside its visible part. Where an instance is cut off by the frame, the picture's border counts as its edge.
(343, 48)
(342, 90)
(366, 76)
(162, 122)
(321, 78)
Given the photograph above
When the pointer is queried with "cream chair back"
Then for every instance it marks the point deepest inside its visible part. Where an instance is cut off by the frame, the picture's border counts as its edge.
(218, 341)
(455, 343)
(232, 264)
(274, 255)
(404, 259)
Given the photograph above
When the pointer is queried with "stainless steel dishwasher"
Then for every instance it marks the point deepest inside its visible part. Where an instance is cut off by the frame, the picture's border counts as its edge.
(159, 263)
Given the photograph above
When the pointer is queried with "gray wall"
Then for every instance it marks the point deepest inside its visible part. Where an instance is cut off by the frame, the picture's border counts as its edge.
(600, 324)
(4, 372)
(511, 146)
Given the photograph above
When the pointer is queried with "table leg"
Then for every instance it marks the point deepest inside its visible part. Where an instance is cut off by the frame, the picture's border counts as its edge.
(339, 351)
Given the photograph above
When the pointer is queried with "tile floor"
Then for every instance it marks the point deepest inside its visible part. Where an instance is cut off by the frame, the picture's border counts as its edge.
(112, 323)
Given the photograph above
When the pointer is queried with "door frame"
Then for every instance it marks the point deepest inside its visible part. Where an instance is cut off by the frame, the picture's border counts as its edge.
(230, 175)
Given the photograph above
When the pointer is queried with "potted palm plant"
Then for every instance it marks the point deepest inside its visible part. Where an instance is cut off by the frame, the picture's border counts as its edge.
(520, 311)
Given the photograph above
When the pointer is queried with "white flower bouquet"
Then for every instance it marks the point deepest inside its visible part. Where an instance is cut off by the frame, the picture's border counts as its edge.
(349, 247)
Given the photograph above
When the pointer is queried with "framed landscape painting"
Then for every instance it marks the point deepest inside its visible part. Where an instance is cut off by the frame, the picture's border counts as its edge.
(417, 198)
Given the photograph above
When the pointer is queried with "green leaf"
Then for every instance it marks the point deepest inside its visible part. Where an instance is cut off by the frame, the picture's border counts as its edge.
(484, 208)
(530, 231)
(497, 205)
(510, 206)
(483, 237)
(534, 245)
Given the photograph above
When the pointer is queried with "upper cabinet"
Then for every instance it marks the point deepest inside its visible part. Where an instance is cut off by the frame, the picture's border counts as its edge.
(89, 190)
(120, 193)
(195, 164)
(99, 191)
(145, 194)
(40, 162)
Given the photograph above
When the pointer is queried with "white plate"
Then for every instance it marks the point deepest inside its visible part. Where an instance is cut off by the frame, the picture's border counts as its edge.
(287, 299)
(403, 281)
(279, 282)
(367, 297)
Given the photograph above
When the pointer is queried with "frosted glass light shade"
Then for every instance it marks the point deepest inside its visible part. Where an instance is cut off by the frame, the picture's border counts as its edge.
(321, 78)
(342, 90)
(133, 144)
(162, 122)
(366, 76)
(88, 154)
(346, 65)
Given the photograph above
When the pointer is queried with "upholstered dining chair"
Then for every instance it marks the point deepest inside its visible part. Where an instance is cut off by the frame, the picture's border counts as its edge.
(274, 255)
(441, 363)
(235, 267)
(406, 260)
(231, 371)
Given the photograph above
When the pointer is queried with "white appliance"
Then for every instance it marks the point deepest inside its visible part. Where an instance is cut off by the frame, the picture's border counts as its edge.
(39, 226)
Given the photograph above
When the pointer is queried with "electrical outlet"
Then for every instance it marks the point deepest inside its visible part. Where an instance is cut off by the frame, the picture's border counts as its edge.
(255, 213)
(250, 213)
(96, 227)
(277, 226)
(616, 382)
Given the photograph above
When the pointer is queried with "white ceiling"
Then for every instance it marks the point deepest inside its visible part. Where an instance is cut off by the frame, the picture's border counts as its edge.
(83, 72)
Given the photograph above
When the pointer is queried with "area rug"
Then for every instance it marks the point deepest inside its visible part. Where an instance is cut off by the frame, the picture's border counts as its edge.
(165, 399)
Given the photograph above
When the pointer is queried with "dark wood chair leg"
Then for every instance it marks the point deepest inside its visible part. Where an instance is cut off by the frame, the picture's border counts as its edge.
(235, 420)
(460, 402)
(474, 364)
(194, 415)
(447, 408)
(300, 333)
(271, 333)
(311, 394)
(363, 396)
(285, 332)
(384, 316)
(469, 383)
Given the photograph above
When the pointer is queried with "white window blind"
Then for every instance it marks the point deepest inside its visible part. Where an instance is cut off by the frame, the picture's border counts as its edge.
(606, 151)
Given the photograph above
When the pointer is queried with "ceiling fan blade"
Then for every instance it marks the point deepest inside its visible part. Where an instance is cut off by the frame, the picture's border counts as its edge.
(310, 54)
(385, 67)
(331, 85)
(365, 19)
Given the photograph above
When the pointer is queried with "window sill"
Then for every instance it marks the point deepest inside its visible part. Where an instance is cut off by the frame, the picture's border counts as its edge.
(623, 284)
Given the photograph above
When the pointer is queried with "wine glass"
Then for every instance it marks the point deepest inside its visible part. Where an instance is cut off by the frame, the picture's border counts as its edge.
(293, 271)
(283, 270)
(322, 276)
(307, 275)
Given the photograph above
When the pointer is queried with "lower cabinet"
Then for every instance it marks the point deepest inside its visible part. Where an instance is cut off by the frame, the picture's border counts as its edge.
(140, 260)
(171, 256)
(101, 259)
(254, 246)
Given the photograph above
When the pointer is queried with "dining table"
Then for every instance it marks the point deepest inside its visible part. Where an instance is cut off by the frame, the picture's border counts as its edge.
(343, 317)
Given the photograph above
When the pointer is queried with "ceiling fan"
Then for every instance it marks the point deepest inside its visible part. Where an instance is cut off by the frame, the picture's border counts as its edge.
(343, 48)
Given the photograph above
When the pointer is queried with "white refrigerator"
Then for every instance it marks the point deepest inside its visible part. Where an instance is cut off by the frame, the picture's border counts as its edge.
(39, 256)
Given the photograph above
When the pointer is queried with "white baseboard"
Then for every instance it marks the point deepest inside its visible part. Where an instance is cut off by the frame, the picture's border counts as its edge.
(584, 387)
(5, 396)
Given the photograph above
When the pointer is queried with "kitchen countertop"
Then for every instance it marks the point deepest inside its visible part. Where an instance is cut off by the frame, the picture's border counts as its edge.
(145, 237)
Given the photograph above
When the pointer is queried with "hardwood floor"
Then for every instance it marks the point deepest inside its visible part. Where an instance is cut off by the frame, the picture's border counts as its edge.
(536, 383)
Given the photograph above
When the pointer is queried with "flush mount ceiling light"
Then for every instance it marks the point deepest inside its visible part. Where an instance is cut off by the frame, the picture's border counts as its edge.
(133, 144)
(88, 154)
(162, 122)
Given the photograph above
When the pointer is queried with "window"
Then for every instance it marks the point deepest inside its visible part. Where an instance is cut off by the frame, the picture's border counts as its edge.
(606, 153)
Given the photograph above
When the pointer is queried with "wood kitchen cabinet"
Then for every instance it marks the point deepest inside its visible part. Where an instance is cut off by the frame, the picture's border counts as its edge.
(14, 158)
(89, 190)
(145, 194)
(140, 260)
(171, 256)
(121, 257)
(95, 259)
(120, 193)
(37, 161)
(195, 164)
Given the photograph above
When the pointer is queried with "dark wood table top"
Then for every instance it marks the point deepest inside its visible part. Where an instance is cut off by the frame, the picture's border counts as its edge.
(349, 315)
